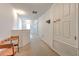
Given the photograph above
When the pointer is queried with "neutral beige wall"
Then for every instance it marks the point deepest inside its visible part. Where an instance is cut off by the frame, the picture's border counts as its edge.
(6, 20)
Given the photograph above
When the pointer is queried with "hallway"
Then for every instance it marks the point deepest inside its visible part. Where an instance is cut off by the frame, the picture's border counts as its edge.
(55, 25)
(36, 48)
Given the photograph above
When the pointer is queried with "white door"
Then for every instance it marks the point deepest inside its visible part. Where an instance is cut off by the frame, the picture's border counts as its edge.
(65, 24)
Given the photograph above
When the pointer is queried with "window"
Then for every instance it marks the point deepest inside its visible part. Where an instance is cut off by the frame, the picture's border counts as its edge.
(26, 24)
(22, 24)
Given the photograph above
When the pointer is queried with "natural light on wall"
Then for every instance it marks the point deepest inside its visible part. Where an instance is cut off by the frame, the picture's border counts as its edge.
(15, 19)
(20, 24)
(18, 11)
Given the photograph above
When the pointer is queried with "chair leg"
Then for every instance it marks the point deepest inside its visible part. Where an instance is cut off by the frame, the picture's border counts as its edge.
(18, 44)
(18, 48)
(13, 50)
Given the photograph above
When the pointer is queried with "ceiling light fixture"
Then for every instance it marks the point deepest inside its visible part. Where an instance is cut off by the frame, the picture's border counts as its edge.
(34, 12)
(20, 12)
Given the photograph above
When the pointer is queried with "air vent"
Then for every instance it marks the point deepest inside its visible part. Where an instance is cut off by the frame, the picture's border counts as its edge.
(34, 12)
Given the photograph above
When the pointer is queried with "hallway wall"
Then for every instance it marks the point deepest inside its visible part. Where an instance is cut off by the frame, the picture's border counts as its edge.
(46, 31)
(6, 20)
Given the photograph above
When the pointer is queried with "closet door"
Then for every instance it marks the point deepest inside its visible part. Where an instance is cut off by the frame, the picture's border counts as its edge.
(69, 24)
(65, 41)
(57, 21)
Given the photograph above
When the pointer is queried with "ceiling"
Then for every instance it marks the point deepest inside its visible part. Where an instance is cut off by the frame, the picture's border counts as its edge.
(29, 7)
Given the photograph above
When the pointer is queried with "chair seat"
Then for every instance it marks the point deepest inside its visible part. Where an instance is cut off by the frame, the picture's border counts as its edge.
(7, 52)
(6, 46)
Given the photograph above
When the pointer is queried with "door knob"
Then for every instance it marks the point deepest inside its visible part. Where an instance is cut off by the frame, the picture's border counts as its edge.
(57, 20)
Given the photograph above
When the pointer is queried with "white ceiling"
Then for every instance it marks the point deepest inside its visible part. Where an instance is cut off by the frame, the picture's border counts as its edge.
(29, 7)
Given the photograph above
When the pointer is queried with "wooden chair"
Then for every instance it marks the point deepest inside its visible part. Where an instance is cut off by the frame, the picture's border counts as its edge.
(7, 49)
(16, 39)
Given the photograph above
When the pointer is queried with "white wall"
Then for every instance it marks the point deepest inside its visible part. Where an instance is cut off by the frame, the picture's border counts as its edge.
(24, 36)
(6, 20)
(46, 32)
